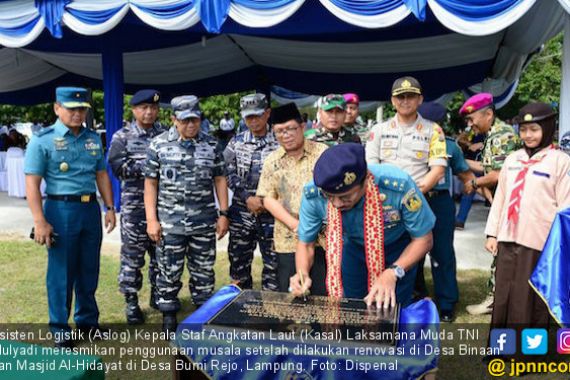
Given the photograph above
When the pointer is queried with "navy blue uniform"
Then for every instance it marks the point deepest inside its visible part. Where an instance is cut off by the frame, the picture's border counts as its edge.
(127, 157)
(244, 157)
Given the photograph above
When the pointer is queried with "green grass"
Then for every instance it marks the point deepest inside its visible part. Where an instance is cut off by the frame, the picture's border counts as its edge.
(23, 301)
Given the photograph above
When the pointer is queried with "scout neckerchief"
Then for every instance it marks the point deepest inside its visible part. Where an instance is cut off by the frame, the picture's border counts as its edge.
(373, 240)
(517, 193)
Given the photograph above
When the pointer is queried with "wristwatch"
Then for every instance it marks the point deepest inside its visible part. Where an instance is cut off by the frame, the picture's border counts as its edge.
(398, 270)
(223, 213)
(109, 208)
(474, 183)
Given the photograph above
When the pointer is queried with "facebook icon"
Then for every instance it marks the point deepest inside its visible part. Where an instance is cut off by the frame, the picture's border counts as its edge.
(503, 341)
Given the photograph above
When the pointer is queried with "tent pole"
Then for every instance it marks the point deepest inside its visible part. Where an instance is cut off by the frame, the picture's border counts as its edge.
(113, 87)
(565, 87)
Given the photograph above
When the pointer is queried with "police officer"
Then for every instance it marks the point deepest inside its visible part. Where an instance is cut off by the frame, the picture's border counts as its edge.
(183, 167)
(502, 140)
(331, 130)
(250, 223)
(412, 143)
(374, 214)
(443, 262)
(69, 157)
(127, 156)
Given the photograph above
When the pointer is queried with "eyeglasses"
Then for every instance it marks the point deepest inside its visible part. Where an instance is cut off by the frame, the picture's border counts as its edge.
(288, 130)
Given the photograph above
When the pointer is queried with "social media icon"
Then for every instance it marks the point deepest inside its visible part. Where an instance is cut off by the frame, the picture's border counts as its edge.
(503, 341)
(534, 341)
(563, 341)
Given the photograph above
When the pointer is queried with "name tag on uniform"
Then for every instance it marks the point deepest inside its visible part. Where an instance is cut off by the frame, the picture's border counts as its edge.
(91, 145)
(59, 143)
(541, 174)
(420, 145)
(391, 217)
(388, 143)
(136, 147)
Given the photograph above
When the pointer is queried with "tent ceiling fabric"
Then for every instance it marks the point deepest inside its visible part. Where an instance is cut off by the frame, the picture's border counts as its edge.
(354, 48)
(21, 21)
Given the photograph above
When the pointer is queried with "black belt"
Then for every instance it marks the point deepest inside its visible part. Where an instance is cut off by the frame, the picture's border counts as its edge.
(435, 193)
(86, 198)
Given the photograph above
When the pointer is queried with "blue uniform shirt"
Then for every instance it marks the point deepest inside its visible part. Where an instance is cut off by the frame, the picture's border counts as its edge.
(401, 220)
(68, 163)
(456, 164)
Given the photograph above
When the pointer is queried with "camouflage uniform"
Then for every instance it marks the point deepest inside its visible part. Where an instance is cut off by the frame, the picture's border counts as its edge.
(186, 210)
(359, 129)
(320, 134)
(244, 158)
(501, 141)
(127, 157)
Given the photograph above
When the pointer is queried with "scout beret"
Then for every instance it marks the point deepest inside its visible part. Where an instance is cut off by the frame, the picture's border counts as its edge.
(534, 112)
(340, 168)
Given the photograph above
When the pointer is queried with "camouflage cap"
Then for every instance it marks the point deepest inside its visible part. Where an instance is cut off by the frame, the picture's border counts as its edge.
(253, 104)
(185, 107)
(406, 85)
(330, 101)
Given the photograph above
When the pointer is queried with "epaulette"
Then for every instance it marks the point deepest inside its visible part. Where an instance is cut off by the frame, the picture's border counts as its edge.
(43, 131)
(311, 191)
(393, 183)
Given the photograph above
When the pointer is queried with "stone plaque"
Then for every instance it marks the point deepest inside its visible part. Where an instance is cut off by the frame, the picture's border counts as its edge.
(282, 312)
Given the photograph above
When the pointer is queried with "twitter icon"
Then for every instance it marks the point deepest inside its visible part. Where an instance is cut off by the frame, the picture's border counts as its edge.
(534, 342)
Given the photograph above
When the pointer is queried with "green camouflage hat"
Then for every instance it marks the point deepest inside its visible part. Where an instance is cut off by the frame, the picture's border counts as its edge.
(330, 101)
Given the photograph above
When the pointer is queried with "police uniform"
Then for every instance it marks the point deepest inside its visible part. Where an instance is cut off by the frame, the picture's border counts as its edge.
(415, 149)
(405, 216)
(185, 170)
(127, 156)
(69, 165)
(244, 156)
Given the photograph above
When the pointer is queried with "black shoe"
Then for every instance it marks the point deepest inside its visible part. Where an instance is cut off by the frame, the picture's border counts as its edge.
(459, 226)
(446, 316)
(153, 299)
(169, 323)
(133, 312)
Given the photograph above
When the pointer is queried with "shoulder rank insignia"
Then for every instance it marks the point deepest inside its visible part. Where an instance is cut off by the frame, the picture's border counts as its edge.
(311, 191)
(43, 131)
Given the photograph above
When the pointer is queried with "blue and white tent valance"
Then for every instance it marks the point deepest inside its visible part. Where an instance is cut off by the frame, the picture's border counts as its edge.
(22, 21)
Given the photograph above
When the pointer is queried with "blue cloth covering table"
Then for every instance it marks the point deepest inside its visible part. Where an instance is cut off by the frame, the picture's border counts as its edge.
(421, 315)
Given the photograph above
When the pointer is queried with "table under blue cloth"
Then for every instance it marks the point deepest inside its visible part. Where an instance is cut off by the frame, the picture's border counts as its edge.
(418, 316)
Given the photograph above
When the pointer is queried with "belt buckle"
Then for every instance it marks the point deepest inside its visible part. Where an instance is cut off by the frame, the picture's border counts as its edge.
(85, 198)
